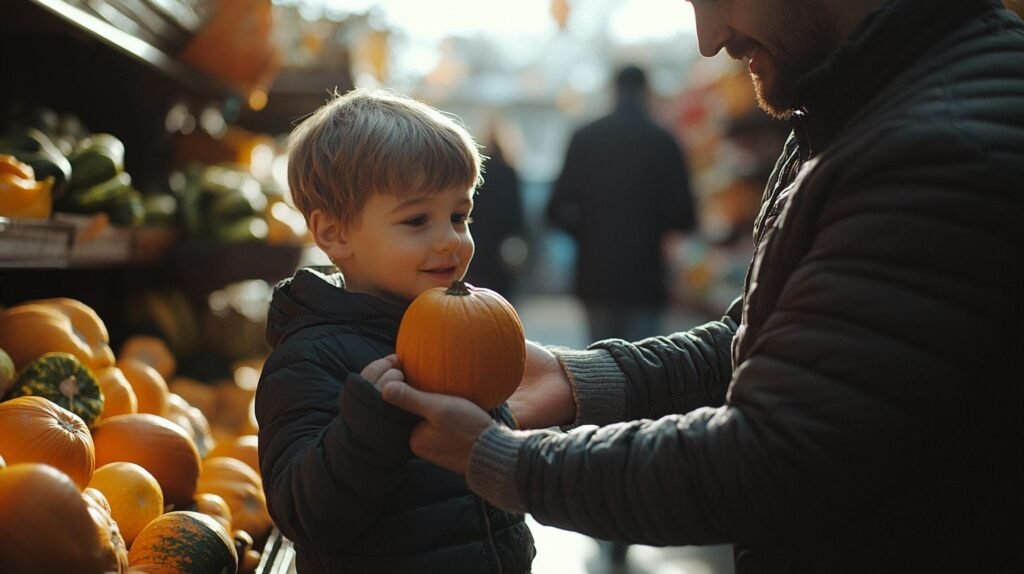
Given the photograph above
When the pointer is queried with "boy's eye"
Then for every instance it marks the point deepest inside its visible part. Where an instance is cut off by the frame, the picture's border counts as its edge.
(416, 221)
(461, 218)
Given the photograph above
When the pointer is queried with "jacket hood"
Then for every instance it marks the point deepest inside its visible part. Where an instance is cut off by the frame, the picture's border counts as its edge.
(311, 298)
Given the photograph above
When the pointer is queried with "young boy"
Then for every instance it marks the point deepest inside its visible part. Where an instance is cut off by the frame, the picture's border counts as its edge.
(386, 184)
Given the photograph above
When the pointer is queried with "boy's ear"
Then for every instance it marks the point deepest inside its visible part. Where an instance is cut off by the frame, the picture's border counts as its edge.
(329, 235)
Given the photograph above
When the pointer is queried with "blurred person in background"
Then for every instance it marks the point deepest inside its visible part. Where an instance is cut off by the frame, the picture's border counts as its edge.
(858, 409)
(624, 185)
(500, 235)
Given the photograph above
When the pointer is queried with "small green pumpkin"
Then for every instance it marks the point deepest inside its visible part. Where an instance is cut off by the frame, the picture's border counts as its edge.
(64, 380)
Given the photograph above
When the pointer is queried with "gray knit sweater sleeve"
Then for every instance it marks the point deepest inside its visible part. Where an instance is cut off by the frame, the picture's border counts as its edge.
(599, 391)
(598, 386)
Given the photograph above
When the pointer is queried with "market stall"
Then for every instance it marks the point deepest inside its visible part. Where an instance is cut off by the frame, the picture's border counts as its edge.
(141, 228)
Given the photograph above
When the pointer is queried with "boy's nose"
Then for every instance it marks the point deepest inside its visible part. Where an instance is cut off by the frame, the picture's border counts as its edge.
(449, 240)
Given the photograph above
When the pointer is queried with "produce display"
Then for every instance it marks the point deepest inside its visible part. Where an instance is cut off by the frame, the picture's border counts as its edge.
(104, 467)
(464, 341)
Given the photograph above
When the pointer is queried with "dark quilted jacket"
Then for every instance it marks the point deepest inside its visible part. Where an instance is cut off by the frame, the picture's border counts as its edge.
(872, 374)
(340, 480)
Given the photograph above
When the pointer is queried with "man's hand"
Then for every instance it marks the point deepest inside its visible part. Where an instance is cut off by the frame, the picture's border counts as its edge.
(544, 397)
(450, 427)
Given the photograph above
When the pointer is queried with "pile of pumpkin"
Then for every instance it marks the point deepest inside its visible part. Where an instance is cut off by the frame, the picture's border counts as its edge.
(104, 468)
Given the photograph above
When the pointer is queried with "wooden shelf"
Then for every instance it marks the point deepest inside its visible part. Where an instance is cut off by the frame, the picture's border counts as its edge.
(135, 48)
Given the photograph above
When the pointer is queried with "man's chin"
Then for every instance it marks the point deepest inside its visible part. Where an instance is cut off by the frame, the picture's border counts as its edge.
(774, 104)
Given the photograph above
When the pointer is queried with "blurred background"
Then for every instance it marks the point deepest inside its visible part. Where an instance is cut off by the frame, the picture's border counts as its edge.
(162, 123)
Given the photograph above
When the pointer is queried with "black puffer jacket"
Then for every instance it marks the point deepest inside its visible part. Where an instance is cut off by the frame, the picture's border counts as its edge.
(873, 416)
(339, 478)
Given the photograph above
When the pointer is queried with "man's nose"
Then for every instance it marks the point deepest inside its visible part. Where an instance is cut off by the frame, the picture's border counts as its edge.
(713, 29)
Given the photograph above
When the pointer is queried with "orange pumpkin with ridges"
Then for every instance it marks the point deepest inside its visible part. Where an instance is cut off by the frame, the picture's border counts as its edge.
(156, 444)
(34, 429)
(464, 341)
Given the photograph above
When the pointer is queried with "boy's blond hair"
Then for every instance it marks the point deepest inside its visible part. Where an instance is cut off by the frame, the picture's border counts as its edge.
(367, 142)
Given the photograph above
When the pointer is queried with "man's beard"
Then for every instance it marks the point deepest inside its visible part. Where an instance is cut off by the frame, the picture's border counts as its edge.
(810, 38)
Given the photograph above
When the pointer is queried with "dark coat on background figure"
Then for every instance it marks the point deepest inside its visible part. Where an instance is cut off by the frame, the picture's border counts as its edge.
(624, 184)
(497, 217)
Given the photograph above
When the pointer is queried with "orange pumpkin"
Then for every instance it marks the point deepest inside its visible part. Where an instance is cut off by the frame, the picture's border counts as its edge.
(118, 396)
(47, 525)
(192, 420)
(464, 341)
(244, 448)
(30, 330)
(33, 429)
(149, 386)
(213, 506)
(242, 489)
(107, 528)
(152, 351)
(183, 542)
(156, 444)
(134, 496)
(198, 394)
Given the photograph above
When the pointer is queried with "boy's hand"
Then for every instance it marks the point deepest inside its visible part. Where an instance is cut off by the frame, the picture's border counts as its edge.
(450, 428)
(544, 398)
(383, 370)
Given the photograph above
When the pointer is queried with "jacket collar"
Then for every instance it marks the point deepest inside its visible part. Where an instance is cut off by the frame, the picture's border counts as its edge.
(883, 46)
(314, 298)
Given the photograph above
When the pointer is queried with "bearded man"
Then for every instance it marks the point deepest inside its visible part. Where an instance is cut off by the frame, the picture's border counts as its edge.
(858, 409)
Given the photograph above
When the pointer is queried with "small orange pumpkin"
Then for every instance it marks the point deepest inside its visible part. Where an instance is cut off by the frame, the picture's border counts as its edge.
(47, 525)
(34, 429)
(152, 351)
(242, 488)
(244, 448)
(200, 395)
(118, 396)
(192, 420)
(213, 506)
(464, 341)
(156, 444)
(111, 540)
(132, 494)
(149, 386)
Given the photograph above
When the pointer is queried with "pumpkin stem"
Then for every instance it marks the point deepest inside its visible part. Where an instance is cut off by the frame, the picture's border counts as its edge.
(458, 288)
(69, 387)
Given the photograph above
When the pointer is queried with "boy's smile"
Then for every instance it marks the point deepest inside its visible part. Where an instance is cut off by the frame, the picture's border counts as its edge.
(401, 246)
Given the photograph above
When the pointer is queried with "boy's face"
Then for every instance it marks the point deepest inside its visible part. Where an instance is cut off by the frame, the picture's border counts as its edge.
(402, 246)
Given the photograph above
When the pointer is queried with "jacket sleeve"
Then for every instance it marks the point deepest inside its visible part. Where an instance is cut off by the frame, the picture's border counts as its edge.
(854, 392)
(614, 380)
(330, 453)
